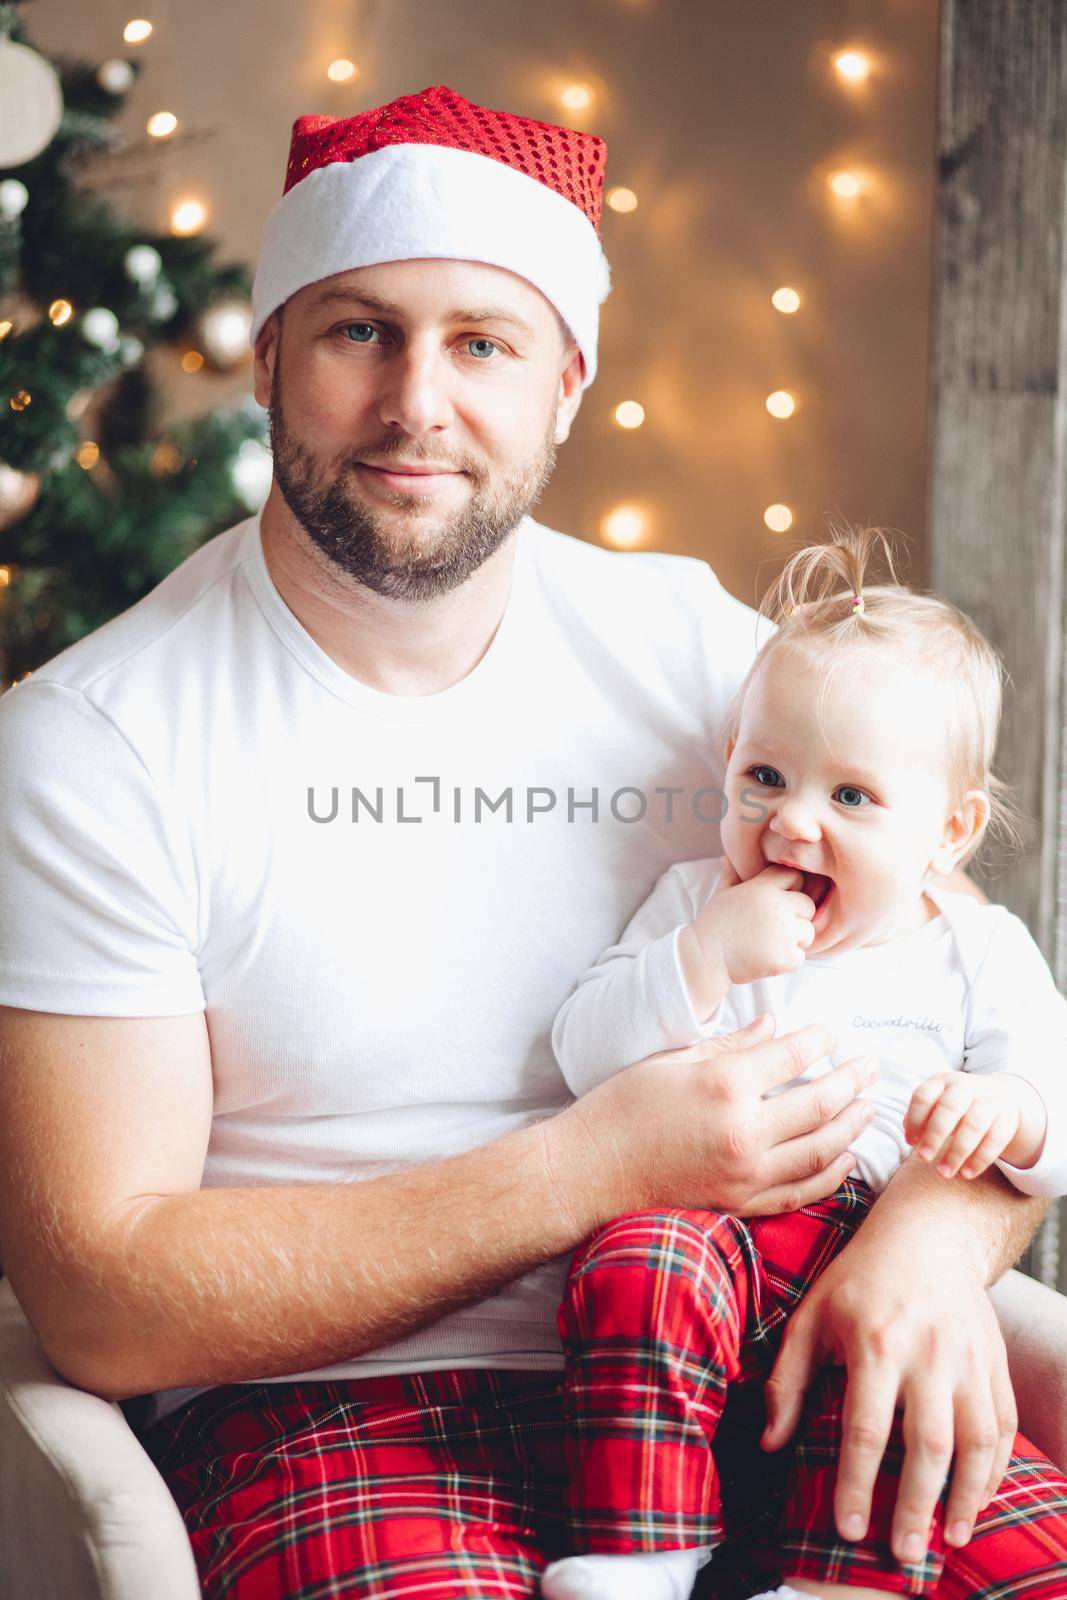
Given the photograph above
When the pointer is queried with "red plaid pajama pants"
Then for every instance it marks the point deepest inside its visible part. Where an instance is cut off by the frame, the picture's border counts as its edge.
(437, 1485)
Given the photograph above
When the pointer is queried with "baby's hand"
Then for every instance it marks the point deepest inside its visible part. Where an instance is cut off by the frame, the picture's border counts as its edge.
(965, 1122)
(761, 927)
(746, 931)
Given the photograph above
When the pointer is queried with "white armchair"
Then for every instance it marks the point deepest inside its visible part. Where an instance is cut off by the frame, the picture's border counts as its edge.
(84, 1515)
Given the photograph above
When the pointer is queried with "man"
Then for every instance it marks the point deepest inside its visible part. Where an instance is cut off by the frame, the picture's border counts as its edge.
(303, 852)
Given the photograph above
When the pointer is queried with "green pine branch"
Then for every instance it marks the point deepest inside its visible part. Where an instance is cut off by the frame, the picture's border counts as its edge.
(99, 536)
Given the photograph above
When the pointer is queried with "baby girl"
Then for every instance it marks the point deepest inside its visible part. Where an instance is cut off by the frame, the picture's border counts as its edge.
(858, 753)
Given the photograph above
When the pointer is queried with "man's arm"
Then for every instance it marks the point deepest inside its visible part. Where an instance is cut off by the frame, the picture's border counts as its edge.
(134, 1278)
(904, 1308)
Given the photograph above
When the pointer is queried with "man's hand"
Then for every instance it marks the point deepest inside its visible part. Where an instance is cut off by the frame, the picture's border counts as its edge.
(905, 1311)
(962, 1122)
(746, 931)
(691, 1127)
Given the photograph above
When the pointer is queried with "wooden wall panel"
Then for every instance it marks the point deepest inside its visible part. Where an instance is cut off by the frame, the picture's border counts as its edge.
(999, 414)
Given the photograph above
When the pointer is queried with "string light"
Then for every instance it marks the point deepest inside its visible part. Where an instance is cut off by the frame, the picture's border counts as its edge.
(846, 185)
(162, 124)
(622, 200)
(166, 459)
(853, 65)
(781, 403)
(188, 217)
(624, 527)
(630, 414)
(778, 518)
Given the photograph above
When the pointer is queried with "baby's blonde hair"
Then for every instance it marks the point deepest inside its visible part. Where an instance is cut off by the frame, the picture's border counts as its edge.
(826, 605)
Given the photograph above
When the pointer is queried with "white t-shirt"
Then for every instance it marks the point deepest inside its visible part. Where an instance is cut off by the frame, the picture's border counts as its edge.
(378, 992)
(969, 990)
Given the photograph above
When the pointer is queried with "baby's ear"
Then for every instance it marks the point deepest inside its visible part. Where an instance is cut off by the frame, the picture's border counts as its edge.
(964, 827)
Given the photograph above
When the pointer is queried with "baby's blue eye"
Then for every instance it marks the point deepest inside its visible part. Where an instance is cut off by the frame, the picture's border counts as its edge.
(363, 331)
(767, 776)
(852, 797)
(482, 348)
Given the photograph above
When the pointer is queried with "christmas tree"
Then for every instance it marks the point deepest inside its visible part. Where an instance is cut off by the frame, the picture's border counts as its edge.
(99, 497)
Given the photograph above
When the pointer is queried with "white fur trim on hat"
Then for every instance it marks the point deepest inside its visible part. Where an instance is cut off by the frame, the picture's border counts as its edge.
(412, 201)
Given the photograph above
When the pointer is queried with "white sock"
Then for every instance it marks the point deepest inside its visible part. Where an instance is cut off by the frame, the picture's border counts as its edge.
(645, 1575)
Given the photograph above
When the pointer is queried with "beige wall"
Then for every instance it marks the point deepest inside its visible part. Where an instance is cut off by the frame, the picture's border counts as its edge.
(726, 117)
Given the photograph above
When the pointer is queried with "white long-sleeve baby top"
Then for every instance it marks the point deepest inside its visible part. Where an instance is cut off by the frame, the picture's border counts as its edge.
(968, 991)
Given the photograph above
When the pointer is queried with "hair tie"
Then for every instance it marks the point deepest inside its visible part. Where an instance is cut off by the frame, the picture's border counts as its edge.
(857, 605)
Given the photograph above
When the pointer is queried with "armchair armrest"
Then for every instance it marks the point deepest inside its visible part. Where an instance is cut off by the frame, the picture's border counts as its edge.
(84, 1514)
(1033, 1319)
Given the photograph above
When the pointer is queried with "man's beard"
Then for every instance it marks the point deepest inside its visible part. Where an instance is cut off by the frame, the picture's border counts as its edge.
(364, 545)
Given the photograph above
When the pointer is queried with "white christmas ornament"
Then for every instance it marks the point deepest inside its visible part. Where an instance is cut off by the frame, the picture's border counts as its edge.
(101, 327)
(18, 492)
(224, 331)
(31, 103)
(251, 473)
(115, 76)
(164, 303)
(143, 263)
(13, 197)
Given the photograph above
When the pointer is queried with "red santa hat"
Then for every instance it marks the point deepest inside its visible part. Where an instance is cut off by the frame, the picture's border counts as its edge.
(433, 175)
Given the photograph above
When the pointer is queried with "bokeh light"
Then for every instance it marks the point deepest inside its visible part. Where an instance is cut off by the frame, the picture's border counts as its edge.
(785, 300)
(576, 97)
(778, 518)
(781, 403)
(162, 124)
(846, 185)
(188, 217)
(630, 414)
(137, 32)
(853, 65)
(622, 200)
(59, 312)
(342, 70)
(624, 527)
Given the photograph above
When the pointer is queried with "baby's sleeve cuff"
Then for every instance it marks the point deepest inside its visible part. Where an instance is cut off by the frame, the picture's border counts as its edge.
(682, 1002)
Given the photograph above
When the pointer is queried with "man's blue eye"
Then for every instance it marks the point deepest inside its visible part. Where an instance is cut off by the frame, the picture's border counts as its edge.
(852, 797)
(363, 331)
(761, 776)
(482, 348)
